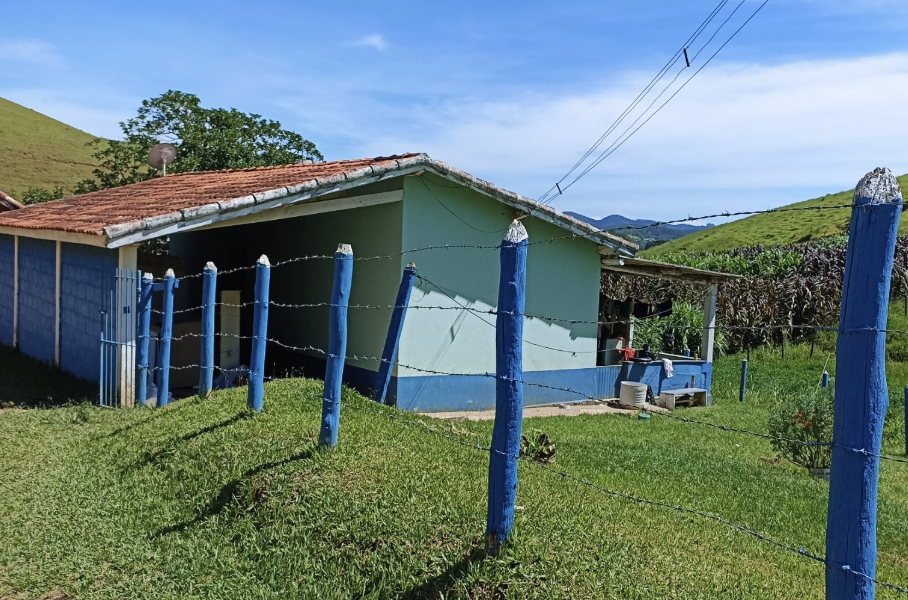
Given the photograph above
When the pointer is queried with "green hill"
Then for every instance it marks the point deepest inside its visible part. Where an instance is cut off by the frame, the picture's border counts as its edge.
(37, 151)
(771, 229)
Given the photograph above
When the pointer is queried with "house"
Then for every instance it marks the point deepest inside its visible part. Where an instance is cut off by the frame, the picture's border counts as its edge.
(59, 266)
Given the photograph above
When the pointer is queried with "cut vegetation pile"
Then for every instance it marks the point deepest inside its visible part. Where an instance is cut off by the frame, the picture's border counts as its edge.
(202, 500)
(39, 152)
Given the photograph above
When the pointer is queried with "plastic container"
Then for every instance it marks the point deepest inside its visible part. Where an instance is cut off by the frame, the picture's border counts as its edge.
(633, 394)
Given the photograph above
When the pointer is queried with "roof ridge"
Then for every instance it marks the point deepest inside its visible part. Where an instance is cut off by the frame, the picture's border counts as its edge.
(303, 165)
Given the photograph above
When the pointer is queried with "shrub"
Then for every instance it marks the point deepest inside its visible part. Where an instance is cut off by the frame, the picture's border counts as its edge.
(537, 446)
(805, 424)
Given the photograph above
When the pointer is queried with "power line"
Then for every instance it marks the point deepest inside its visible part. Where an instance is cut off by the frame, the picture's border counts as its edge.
(668, 65)
(609, 152)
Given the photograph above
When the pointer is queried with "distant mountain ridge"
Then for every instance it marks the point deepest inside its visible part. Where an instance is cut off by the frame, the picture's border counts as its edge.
(649, 235)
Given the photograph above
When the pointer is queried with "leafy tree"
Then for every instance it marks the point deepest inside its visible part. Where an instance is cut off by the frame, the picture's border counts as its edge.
(207, 139)
(36, 195)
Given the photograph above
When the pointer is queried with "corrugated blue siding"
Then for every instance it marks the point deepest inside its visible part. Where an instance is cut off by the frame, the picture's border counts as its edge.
(87, 277)
(37, 298)
(7, 256)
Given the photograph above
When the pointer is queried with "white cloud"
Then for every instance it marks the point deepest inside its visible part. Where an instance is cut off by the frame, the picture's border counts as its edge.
(738, 136)
(30, 51)
(373, 40)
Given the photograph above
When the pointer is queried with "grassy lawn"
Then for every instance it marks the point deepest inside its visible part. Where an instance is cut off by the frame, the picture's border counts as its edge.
(37, 151)
(200, 500)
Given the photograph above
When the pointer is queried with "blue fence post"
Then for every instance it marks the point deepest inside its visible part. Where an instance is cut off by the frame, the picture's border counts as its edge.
(743, 390)
(508, 387)
(143, 336)
(337, 345)
(825, 381)
(209, 288)
(383, 378)
(170, 284)
(861, 397)
(256, 389)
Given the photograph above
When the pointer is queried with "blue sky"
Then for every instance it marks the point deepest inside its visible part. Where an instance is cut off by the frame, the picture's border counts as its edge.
(805, 100)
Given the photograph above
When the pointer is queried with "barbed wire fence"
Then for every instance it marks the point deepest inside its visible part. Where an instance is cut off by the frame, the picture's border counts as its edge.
(509, 383)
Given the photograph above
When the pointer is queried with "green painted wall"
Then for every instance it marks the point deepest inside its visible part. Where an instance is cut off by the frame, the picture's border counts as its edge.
(562, 281)
(562, 278)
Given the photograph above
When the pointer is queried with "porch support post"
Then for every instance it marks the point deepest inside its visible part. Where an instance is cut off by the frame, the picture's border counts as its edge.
(709, 323)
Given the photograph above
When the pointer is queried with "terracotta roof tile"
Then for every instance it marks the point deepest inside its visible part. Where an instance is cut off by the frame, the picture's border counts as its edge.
(156, 203)
(91, 213)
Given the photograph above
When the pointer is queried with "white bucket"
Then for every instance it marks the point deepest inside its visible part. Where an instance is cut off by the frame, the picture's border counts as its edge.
(632, 394)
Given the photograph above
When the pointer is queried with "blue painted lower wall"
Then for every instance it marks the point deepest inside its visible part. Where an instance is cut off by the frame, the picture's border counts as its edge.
(37, 298)
(7, 258)
(87, 277)
(437, 393)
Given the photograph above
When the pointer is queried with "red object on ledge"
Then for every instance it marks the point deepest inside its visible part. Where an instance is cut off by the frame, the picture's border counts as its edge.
(628, 353)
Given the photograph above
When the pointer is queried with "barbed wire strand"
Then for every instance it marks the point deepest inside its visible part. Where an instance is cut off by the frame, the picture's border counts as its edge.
(800, 550)
(573, 236)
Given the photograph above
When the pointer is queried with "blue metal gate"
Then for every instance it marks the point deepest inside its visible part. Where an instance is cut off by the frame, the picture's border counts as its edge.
(118, 342)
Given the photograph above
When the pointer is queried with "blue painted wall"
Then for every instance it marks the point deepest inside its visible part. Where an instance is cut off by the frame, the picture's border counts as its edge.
(37, 298)
(7, 256)
(463, 392)
(86, 279)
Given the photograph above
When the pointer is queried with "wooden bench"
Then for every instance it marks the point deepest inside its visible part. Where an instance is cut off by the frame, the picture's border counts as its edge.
(685, 396)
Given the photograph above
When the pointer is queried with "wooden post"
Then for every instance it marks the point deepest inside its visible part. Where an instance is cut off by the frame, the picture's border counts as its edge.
(709, 323)
(825, 381)
(256, 391)
(508, 388)
(209, 288)
(383, 378)
(743, 380)
(143, 316)
(170, 284)
(861, 397)
(630, 323)
(337, 345)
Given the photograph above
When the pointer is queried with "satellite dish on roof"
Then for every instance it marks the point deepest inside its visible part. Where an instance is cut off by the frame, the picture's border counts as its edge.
(162, 155)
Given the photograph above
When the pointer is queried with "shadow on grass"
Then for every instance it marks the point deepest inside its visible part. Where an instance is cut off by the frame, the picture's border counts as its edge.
(28, 383)
(443, 583)
(150, 458)
(236, 489)
(154, 416)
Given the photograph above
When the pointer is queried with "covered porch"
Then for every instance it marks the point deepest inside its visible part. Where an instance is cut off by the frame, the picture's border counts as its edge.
(622, 359)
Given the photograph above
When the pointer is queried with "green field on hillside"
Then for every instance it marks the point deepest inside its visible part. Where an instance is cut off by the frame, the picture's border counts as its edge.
(203, 500)
(37, 151)
(772, 229)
